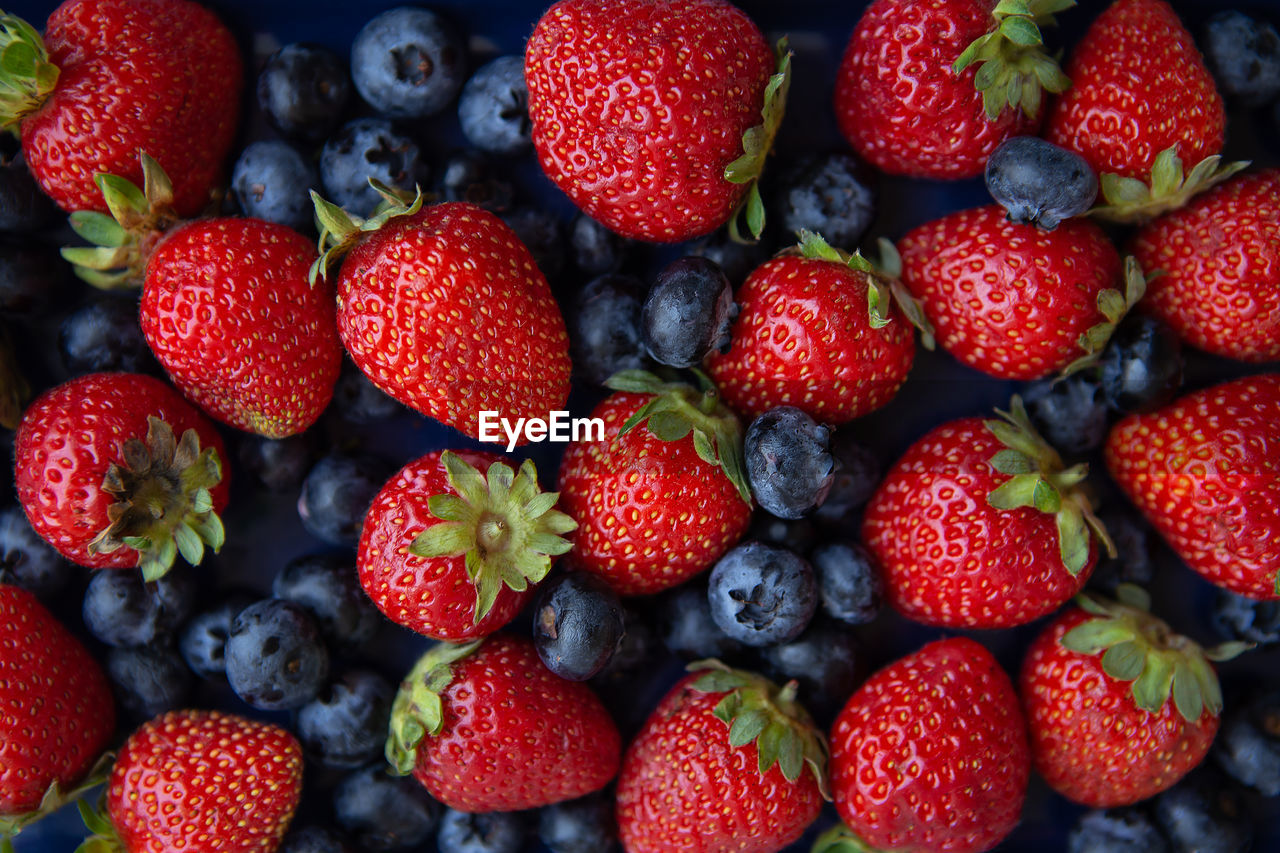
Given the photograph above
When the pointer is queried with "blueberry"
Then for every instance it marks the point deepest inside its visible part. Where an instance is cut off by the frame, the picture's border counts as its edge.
(469, 176)
(1246, 619)
(788, 460)
(687, 627)
(1133, 562)
(26, 560)
(337, 493)
(363, 149)
(495, 832)
(279, 464)
(1244, 55)
(606, 328)
(542, 235)
(494, 107)
(824, 661)
(1038, 183)
(31, 277)
(636, 649)
(848, 582)
(584, 825)
(736, 259)
(346, 725)
(121, 609)
(1070, 413)
(762, 595)
(303, 89)
(275, 657)
(796, 535)
(23, 207)
(688, 313)
(854, 480)
(313, 839)
(408, 63)
(384, 812)
(203, 641)
(1248, 745)
(596, 250)
(328, 587)
(1115, 831)
(104, 335)
(148, 680)
(273, 181)
(831, 195)
(1201, 814)
(577, 625)
(1141, 367)
(358, 401)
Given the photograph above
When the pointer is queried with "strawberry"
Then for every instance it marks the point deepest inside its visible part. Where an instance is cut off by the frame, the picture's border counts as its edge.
(662, 494)
(655, 116)
(930, 755)
(929, 90)
(117, 470)
(978, 525)
(487, 727)
(1205, 471)
(449, 552)
(199, 780)
(113, 77)
(727, 761)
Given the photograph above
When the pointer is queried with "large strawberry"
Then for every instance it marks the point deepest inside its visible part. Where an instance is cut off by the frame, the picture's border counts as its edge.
(450, 552)
(487, 727)
(662, 494)
(1205, 471)
(113, 77)
(727, 761)
(978, 525)
(655, 116)
(117, 470)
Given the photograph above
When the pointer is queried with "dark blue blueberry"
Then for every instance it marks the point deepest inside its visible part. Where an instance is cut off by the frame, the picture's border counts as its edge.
(120, 609)
(596, 249)
(1248, 744)
(328, 586)
(577, 625)
(203, 641)
(279, 464)
(104, 335)
(1204, 814)
(149, 680)
(273, 182)
(606, 328)
(337, 493)
(303, 89)
(408, 63)
(831, 195)
(1070, 413)
(1244, 56)
(688, 313)
(1115, 831)
(31, 278)
(543, 235)
(584, 825)
(1039, 183)
(857, 473)
(1246, 619)
(736, 260)
(1133, 562)
(28, 561)
(788, 460)
(276, 659)
(23, 207)
(470, 176)
(761, 595)
(687, 627)
(848, 582)
(313, 839)
(363, 149)
(359, 401)
(494, 107)
(823, 661)
(1141, 368)
(384, 812)
(346, 725)
(495, 832)
(796, 535)
(636, 649)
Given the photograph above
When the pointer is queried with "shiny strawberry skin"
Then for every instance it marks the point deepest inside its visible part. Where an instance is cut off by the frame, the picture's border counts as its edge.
(803, 338)
(205, 780)
(946, 556)
(446, 311)
(515, 735)
(683, 787)
(1219, 262)
(1008, 299)
(930, 754)
(1205, 471)
(898, 102)
(651, 514)
(228, 312)
(160, 76)
(1138, 86)
(68, 438)
(639, 105)
(56, 710)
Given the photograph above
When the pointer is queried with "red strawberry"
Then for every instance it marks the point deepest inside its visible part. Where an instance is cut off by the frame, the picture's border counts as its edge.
(979, 526)
(1205, 471)
(727, 761)
(642, 110)
(113, 77)
(97, 457)
(487, 727)
(930, 754)
(449, 552)
(662, 495)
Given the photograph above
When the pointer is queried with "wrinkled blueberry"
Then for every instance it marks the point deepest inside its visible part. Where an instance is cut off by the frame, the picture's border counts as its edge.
(121, 609)
(1070, 413)
(148, 680)
(273, 182)
(303, 89)
(849, 584)
(1244, 55)
(1141, 368)
(688, 313)
(494, 107)
(606, 328)
(788, 460)
(104, 335)
(363, 149)
(328, 587)
(762, 595)
(1039, 183)
(831, 195)
(346, 725)
(203, 641)
(384, 812)
(494, 832)
(1115, 831)
(275, 657)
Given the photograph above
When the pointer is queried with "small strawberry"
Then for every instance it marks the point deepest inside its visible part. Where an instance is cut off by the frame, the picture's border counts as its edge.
(487, 727)
(1205, 471)
(199, 780)
(449, 552)
(930, 755)
(117, 470)
(663, 494)
(978, 525)
(113, 77)
(727, 761)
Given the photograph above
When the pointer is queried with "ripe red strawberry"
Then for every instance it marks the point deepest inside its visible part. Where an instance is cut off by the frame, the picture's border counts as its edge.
(452, 542)
(640, 107)
(115, 77)
(95, 458)
(979, 526)
(727, 761)
(930, 754)
(1010, 300)
(662, 494)
(1205, 471)
(487, 727)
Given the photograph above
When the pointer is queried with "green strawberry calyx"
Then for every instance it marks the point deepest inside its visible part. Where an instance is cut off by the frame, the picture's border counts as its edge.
(104, 838)
(1114, 305)
(1039, 480)
(340, 231)
(1134, 202)
(840, 839)
(757, 142)
(503, 525)
(27, 77)
(54, 798)
(418, 710)
(758, 711)
(1013, 69)
(1141, 648)
(677, 410)
(163, 506)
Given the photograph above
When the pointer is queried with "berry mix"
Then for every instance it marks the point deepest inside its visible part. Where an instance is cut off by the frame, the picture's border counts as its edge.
(640, 425)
